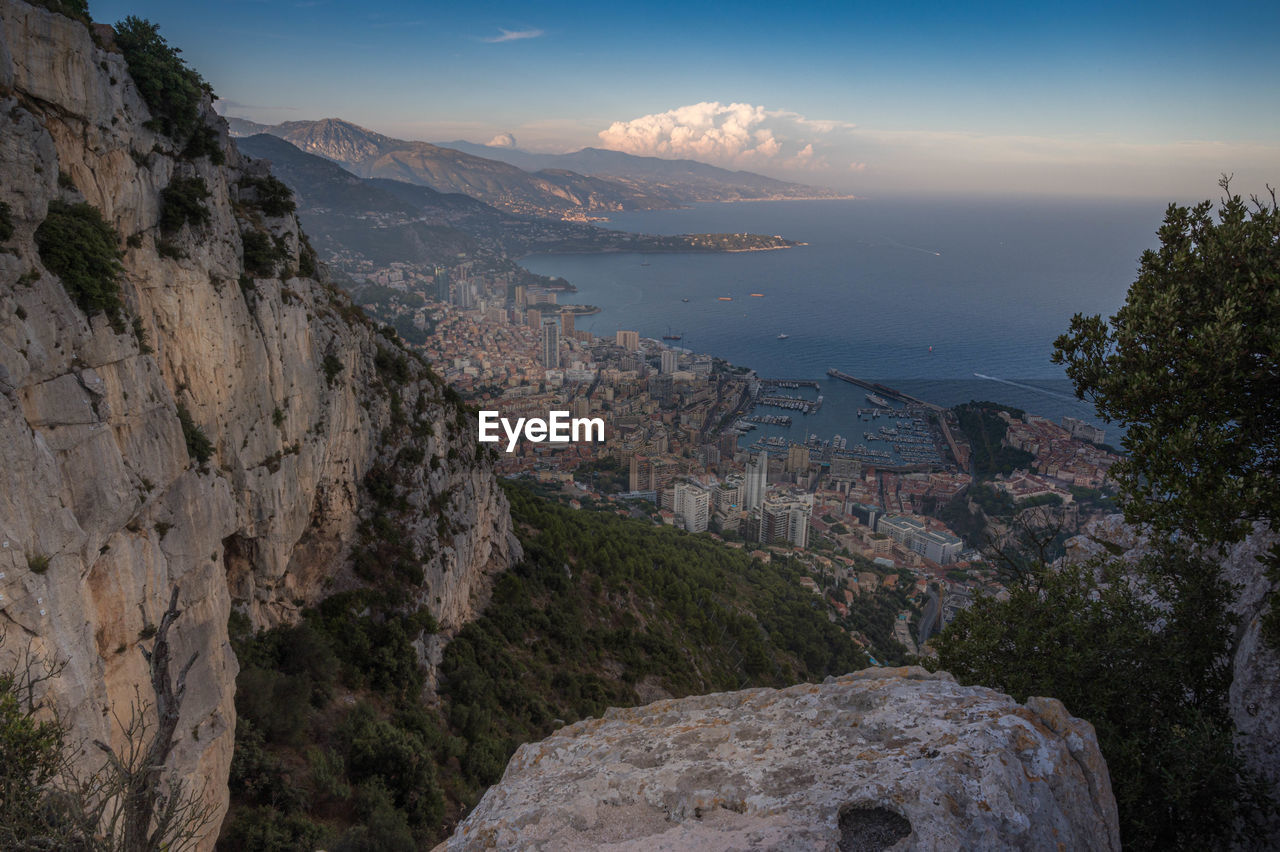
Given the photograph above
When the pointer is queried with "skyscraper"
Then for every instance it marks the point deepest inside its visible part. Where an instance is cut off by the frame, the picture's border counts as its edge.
(442, 284)
(757, 482)
(550, 344)
(566, 324)
(628, 340)
(670, 358)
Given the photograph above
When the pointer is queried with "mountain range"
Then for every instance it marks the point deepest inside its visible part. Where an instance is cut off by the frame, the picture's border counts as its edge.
(380, 220)
(590, 182)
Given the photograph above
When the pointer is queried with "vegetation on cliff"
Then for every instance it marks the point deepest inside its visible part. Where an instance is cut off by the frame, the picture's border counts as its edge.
(172, 90)
(985, 430)
(335, 744)
(78, 246)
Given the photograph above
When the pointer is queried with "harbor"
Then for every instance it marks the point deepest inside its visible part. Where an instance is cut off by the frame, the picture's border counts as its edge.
(878, 426)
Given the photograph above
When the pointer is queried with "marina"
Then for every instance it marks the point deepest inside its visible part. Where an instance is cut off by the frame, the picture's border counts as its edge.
(792, 403)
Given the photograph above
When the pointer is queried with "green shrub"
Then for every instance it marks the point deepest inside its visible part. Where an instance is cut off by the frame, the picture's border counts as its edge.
(6, 223)
(38, 563)
(140, 332)
(261, 255)
(332, 367)
(75, 9)
(1152, 677)
(78, 246)
(271, 196)
(183, 203)
(199, 447)
(172, 90)
(204, 143)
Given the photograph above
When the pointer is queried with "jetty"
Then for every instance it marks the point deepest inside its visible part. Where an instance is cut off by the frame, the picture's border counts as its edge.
(882, 390)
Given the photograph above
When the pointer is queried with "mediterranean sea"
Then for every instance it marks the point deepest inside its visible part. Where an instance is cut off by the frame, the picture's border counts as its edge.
(948, 300)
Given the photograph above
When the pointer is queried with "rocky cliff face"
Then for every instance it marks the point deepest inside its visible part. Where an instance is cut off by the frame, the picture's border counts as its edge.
(865, 761)
(308, 408)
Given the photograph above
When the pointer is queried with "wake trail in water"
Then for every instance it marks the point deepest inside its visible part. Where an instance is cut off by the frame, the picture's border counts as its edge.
(1054, 394)
(897, 244)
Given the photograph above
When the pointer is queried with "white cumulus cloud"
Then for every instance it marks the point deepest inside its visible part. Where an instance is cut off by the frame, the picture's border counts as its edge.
(503, 140)
(736, 134)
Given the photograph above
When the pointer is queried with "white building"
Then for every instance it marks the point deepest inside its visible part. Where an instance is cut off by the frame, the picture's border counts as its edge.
(692, 506)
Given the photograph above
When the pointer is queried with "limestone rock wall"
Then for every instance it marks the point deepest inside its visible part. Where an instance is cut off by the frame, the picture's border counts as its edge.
(101, 509)
(864, 761)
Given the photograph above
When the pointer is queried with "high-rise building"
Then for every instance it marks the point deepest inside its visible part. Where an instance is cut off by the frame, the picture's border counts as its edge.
(728, 494)
(628, 340)
(797, 458)
(785, 517)
(756, 482)
(581, 407)
(550, 344)
(533, 318)
(464, 294)
(670, 360)
(692, 506)
(442, 284)
(641, 473)
(566, 324)
(519, 297)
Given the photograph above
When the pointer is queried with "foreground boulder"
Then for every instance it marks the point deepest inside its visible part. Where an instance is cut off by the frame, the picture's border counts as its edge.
(878, 759)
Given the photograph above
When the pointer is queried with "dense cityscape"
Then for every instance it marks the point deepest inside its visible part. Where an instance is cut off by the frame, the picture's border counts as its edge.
(863, 513)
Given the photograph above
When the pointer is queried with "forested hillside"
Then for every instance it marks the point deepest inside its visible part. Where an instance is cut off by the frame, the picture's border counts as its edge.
(336, 744)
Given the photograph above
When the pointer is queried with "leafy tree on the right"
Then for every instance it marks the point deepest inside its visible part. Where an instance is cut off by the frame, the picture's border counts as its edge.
(1190, 366)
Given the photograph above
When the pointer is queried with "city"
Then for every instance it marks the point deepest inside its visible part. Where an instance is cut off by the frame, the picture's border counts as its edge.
(861, 518)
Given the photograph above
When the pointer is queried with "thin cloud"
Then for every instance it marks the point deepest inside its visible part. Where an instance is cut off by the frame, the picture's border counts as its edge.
(513, 35)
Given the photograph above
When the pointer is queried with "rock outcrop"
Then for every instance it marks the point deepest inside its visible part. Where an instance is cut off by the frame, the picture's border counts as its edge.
(883, 758)
(102, 507)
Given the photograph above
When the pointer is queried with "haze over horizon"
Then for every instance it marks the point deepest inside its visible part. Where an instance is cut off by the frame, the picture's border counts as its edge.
(1141, 101)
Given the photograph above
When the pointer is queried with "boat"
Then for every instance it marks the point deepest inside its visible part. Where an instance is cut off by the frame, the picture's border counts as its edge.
(783, 336)
(878, 400)
(671, 337)
(725, 298)
(684, 300)
(757, 295)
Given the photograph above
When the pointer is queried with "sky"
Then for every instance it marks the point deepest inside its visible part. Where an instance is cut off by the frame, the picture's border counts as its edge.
(1143, 100)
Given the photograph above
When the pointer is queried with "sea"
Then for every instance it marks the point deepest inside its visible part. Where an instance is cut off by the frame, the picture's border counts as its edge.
(948, 300)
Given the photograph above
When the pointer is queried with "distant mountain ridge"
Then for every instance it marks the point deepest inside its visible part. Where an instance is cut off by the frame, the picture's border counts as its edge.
(552, 194)
(590, 181)
(678, 175)
(381, 220)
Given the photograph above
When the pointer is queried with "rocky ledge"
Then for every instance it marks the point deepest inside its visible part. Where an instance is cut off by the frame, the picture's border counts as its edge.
(878, 759)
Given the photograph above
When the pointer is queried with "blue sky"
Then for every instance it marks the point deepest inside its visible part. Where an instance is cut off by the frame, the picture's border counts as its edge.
(1142, 100)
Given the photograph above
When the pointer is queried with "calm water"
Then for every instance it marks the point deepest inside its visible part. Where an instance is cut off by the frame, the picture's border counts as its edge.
(988, 284)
